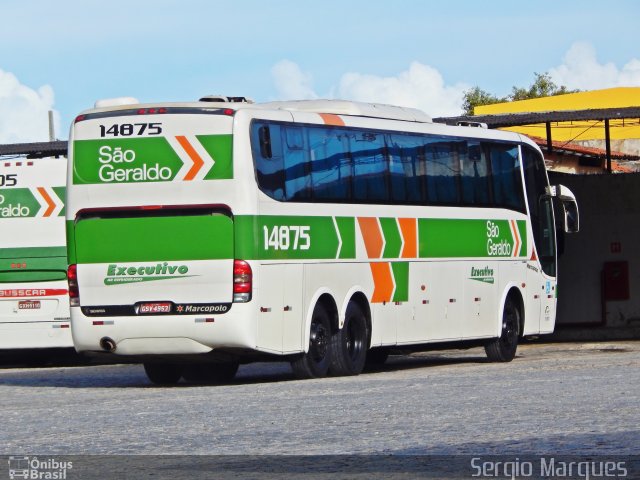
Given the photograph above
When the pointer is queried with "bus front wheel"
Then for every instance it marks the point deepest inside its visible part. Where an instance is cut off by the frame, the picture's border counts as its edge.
(315, 362)
(349, 344)
(503, 349)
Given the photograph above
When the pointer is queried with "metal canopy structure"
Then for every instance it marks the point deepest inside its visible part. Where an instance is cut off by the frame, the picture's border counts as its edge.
(35, 150)
(531, 118)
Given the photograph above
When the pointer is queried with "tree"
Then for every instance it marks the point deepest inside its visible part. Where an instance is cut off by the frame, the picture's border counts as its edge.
(476, 96)
(543, 86)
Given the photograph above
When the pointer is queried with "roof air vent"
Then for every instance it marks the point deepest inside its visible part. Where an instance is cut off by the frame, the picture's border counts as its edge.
(223, 99)
(115, 102)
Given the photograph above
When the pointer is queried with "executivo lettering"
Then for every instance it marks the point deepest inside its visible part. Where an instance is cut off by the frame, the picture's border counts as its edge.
(119, 274)
(482, 274)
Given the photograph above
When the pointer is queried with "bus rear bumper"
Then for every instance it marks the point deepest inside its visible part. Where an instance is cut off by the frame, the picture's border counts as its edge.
(165, 334)
(27, 335)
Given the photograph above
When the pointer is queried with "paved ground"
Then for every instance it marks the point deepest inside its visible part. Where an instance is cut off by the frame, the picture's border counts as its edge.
(552, 399)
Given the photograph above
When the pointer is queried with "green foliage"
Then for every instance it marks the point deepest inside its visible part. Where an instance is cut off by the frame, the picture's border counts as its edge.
(543, 86)
(476, 96)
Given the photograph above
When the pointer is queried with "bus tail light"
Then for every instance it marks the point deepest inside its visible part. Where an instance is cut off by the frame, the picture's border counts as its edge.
(242, 281)
(74, 291)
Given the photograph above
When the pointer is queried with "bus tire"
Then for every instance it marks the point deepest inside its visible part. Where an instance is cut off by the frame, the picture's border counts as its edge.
(315, 363)
(163, 373)
(349, 344)
(211, 373)
(503, 349)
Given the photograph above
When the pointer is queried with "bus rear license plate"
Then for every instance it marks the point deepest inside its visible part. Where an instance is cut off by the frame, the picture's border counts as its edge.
(164, 307)
(29, 305)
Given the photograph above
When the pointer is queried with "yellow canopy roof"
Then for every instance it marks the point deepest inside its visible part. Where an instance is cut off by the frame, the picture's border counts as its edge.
(575, 131)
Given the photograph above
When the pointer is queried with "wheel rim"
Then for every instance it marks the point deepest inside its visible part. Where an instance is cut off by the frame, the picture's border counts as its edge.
(319, 341)
(510, 327)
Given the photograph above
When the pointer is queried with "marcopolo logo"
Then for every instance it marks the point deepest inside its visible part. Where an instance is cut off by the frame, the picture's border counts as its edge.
(119, 274)
(38, 468)
(482, 274)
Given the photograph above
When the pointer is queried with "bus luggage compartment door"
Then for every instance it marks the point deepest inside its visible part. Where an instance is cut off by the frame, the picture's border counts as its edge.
(155, 262)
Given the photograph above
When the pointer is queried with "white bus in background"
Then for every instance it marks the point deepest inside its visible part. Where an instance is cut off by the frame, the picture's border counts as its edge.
(325, 233)
(34, 299)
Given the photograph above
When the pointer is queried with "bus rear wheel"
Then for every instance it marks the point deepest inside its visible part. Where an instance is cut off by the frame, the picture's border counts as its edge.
(349, 344)
(211, 373)
(503, 349)
(163, 373)
(315, 363)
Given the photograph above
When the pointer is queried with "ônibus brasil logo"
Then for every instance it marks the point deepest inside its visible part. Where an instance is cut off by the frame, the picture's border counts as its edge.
(119, 274)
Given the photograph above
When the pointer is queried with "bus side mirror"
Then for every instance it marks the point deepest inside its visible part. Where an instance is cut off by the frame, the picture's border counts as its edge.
(569, 207)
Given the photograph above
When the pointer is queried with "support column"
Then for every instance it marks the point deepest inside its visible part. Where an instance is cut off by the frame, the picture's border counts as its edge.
(607, 143)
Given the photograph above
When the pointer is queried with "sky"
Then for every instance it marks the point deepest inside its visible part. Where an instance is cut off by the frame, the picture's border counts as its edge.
(64, 55)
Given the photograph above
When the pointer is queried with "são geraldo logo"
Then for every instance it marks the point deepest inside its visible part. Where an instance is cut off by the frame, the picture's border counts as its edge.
(9, 210)
(38, 468)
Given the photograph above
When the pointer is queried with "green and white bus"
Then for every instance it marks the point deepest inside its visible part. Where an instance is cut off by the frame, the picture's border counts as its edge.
(326, 233)
(34, 300)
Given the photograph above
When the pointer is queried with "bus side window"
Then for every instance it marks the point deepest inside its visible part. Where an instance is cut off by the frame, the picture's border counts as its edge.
(330, 164)
(267, 152)
(442, 171)
(370, 167)
(475, 176)
(296, 164)
(406, 168)
(507, 183)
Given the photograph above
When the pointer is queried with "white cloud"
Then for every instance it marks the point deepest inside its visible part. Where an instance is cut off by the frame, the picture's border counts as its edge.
(24, 111)
(582, 70)
(421, 86)
(291, 82)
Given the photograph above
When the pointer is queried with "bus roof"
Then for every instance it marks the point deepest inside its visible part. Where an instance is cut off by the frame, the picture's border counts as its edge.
(337, 107)
(359, 109)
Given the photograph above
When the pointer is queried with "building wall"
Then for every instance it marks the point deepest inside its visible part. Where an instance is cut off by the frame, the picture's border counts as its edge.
(630, 146)
(609, 208)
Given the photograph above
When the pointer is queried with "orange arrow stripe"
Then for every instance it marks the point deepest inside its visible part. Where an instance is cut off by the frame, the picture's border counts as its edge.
(516, 236)
(331, 119)
(382, 282)
(372, 236)
(50, 202)
(409, 229)
(197, 160)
